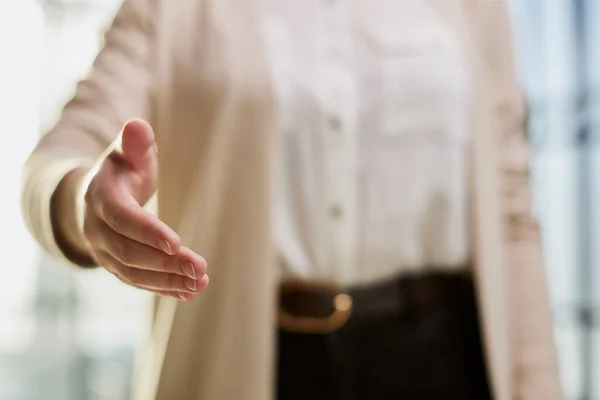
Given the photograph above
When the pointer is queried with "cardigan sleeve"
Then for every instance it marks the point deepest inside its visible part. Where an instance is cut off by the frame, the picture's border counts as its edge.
(534, 352)
(534, 372)
(115, 90)
(535, 368)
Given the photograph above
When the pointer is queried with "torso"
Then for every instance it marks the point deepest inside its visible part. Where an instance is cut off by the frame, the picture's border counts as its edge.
(213, 120)
(373, 112)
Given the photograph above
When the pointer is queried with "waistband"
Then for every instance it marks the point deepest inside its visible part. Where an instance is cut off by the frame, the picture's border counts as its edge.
(321, 307)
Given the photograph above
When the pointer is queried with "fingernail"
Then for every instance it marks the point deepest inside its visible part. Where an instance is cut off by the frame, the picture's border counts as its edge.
(190, 284)
(182, 297)
(165, 246)
(188, 269)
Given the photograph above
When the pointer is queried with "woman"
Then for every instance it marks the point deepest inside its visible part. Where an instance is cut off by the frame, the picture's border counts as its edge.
(364, 160)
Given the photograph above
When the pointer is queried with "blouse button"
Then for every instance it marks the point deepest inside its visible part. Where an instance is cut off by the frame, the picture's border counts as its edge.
(335, 124)
(336, 211)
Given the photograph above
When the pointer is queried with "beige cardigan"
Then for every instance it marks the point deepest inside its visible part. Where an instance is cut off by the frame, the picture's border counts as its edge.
(196, 70)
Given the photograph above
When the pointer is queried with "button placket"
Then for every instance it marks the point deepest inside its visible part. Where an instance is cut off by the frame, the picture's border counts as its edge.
(338, 137)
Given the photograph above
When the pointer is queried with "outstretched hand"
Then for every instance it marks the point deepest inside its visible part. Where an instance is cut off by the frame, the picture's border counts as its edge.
(125, 238)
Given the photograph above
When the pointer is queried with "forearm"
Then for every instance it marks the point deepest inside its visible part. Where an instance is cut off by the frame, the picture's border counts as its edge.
(65, 213)
(534, 352)
(536, 365)
(115, 90)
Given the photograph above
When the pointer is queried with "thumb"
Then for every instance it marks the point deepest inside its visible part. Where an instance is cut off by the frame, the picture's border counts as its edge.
(137, 144)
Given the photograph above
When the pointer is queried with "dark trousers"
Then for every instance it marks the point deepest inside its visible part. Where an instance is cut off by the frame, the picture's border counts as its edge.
(426, 354)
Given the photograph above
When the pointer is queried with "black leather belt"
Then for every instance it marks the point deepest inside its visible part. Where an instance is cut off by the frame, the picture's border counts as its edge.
(322, 307)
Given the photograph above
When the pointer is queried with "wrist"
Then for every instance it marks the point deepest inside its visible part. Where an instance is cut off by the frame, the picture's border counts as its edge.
(67, 211)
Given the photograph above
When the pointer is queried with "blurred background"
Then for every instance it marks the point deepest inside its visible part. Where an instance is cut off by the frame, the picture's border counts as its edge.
(73, 335)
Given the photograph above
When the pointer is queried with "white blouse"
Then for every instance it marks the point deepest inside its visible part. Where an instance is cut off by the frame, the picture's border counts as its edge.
(373, 97)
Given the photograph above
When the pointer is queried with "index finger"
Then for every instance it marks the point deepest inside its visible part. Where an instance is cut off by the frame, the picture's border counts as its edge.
(124, 215)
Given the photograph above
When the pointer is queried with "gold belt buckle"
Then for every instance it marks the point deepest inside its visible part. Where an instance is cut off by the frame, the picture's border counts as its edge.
(342, 306)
